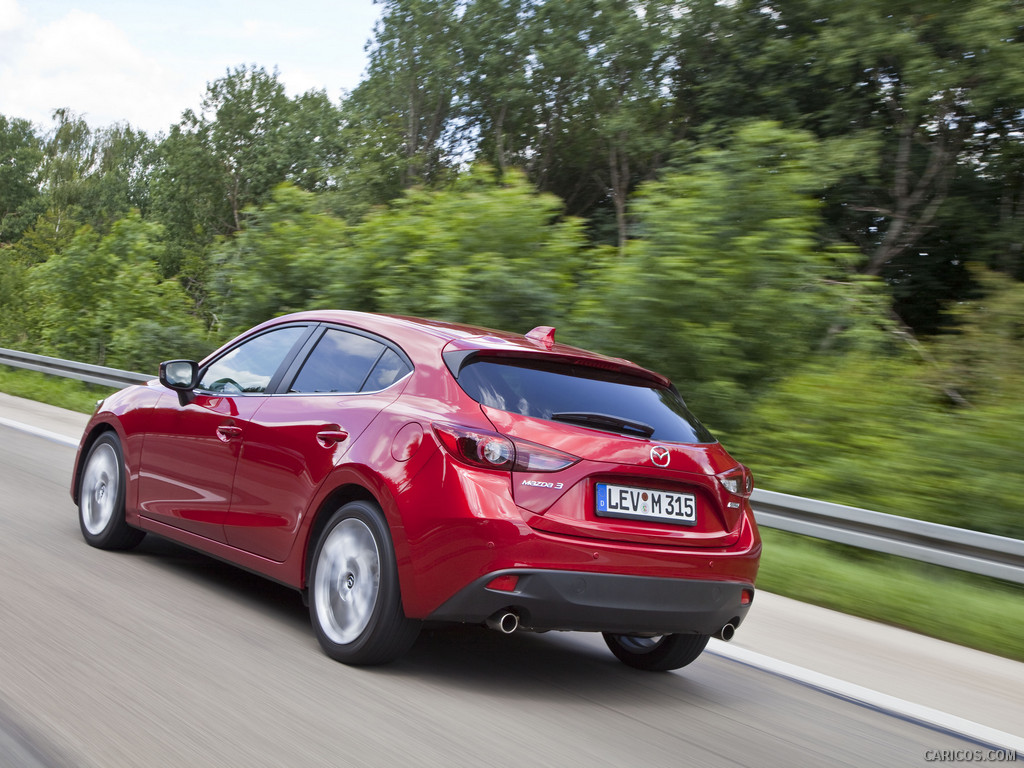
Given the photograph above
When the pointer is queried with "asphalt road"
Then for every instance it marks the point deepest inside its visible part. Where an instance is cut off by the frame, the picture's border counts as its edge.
(161, 657)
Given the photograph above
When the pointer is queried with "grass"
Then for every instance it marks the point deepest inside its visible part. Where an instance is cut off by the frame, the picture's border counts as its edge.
(961, 608)
(950, 605)
(64, 393)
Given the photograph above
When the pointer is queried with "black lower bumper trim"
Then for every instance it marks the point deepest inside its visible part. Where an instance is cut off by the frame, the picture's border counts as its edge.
(602, 602)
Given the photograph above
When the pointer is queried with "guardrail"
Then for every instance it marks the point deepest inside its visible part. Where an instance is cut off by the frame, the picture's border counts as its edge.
(960, 548)
(982, 553)
(93, 374)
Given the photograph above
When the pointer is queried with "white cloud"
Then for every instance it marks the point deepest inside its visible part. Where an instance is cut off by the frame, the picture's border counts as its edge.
(11, 16)
(86, 63)
(12, 22)
(147, 63)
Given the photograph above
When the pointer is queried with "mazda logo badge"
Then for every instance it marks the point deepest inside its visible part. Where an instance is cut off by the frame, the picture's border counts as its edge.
(660, 455)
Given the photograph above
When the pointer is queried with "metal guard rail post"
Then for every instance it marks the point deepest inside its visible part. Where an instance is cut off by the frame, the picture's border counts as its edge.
(982, 553)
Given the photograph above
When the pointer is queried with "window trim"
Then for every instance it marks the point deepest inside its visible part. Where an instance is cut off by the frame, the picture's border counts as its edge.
(293, 369)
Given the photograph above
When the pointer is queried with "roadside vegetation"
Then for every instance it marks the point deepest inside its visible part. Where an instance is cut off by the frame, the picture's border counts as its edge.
(810, 216)
(63, 393)
(957, 607)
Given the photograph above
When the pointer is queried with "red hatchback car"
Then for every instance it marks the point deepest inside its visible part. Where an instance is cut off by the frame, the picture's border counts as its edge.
(398, 470)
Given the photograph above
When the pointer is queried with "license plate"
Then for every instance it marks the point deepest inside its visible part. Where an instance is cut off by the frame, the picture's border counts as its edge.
(646, 504)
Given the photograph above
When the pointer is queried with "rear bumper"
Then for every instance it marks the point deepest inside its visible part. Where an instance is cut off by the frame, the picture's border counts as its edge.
(602, 602)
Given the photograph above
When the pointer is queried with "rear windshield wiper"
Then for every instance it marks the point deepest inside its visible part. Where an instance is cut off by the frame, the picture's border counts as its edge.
(606, 421)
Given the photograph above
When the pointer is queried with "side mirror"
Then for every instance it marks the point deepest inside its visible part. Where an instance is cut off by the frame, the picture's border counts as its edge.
(181, 376)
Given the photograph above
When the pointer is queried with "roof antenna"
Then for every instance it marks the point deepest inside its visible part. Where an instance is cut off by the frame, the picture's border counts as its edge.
(543, 334)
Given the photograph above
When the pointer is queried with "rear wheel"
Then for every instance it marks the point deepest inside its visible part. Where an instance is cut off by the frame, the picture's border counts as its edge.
(101, 497)
(656, 654)
(354, 600)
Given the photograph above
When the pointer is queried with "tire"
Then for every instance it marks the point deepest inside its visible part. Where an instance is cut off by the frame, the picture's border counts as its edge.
(656, 654)
(355, 604)
(101, 497)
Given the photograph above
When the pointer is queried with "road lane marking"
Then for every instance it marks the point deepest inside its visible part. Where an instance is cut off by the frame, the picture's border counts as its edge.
(39, 432)
(882, 702)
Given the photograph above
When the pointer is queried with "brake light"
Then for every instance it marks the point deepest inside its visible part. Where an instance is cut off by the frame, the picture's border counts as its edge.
(490, 450)
(738, 481)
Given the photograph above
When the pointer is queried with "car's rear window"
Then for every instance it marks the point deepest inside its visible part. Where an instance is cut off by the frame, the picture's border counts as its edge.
(583, 396)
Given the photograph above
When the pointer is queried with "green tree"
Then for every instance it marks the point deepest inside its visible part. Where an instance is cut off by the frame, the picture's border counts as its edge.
(93, 176)
(495, 100)
(49, 234)
(602, 118)
(932, 95)
(247, 138)
(564, 152)
(932, 79)
(874, 431)
(725, 288)
(21, 153)
(634, 113)
(983, 359)
(835, 429)
(287, 252)
(486, 252)
(398, 123)
(102, 300)
(13, 275)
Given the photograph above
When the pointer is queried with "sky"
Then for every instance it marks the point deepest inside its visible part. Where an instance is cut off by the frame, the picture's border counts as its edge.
(146, 62)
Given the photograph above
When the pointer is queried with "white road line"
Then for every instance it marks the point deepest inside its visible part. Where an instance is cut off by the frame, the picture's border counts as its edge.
(867, 697)
(43, 433)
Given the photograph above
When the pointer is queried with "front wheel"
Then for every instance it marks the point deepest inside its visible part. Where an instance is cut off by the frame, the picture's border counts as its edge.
(656, 654)
(354, 600)
(101, 497)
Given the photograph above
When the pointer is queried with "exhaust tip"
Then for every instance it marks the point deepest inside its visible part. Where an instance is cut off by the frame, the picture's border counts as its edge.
(505, 622)
(727, 632)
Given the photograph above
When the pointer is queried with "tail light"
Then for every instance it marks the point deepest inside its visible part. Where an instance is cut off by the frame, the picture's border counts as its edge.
(738, 481)
(490, 450)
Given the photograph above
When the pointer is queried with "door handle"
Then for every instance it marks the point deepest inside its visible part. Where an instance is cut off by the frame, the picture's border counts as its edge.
(328, 438)
(227, 433)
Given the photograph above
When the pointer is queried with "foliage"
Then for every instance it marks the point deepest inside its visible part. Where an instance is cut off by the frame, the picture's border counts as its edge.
(12, 289)
(873, 431)
(20, 155)
(485, 252)
(957, 607)
(92, 176)
(247, 138)
(398, 122)
(934, 86)
(287, 252)
(984, 358)
(63, 393)
(725, 288)
(102, 301)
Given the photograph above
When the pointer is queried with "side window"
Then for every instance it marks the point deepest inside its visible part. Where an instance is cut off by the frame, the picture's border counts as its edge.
(389, 369)
(249, 367)
(340, 362)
